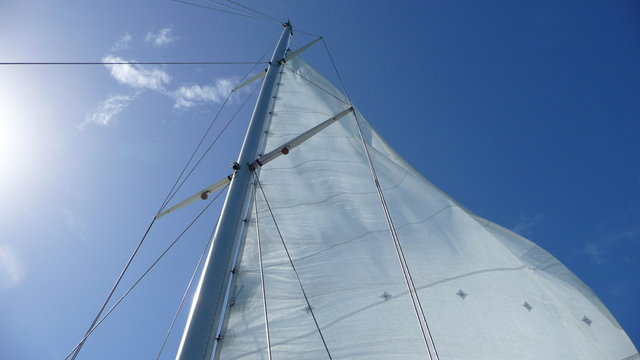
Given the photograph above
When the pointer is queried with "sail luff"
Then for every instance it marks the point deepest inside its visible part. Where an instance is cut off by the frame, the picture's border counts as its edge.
(207, 309)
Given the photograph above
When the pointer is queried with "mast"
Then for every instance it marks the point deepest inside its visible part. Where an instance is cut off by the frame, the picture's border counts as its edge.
(211, 296)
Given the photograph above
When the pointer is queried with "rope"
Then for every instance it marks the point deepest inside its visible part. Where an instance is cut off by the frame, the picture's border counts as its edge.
(304, 293)
(171, 193)
(186, 292)
(97, 323)
(417, 305)
(264, 291)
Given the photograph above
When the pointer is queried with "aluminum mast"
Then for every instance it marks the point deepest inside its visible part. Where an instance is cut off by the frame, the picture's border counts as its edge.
(211, 297)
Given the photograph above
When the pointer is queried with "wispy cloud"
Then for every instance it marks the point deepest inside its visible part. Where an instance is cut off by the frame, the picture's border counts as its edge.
(122, 43)
(161, 38)
(11, 267)
(137, 76)
(142, 77)
(615, 243)
(527, 222)
(75, 223)
(595, 252)
(105, 112)
(188, 96)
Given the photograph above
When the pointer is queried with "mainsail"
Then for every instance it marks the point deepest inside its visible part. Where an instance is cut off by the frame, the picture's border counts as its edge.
(329, 268)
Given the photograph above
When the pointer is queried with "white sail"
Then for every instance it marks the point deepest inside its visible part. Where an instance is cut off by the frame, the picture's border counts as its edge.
(484, 291)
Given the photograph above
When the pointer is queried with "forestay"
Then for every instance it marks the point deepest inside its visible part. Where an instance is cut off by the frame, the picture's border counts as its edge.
(486, 292)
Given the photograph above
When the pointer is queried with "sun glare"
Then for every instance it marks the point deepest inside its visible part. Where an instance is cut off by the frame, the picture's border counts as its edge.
(13, 150)
(11, 272)
(9, 143)
(16, 140)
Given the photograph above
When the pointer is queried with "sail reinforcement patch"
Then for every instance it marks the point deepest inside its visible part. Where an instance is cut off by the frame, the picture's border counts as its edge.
(462, 294)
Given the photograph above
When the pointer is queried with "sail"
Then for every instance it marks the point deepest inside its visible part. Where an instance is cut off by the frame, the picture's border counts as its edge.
(333, 271)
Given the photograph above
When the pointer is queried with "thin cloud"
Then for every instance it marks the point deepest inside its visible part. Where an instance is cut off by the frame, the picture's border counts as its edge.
(595, 252)
(161, 38)
(137, 76)
(106, 111)
(75, 223)
(527, 222)
(618, 242)
(122, 43)
(192, 95)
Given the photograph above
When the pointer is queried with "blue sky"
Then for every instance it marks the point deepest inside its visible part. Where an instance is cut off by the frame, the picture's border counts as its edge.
(525, 112)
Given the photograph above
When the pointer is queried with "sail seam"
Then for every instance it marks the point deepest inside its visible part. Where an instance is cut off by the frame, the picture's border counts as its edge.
(363, 235)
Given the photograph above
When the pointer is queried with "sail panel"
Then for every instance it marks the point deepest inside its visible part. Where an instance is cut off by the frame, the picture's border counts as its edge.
(486, 292)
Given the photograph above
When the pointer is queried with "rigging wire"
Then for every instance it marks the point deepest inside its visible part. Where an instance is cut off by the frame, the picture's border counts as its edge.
(262, 282)
(138, 63)
(233, 117)
(222, 10)
(254, 10)
(211, 8)
(170, 195)
(171, 192)
(304, 293)
(236, 11)
(308, 33)
(76, 349)
(282, 10)
(394, 235)
(186, 292)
